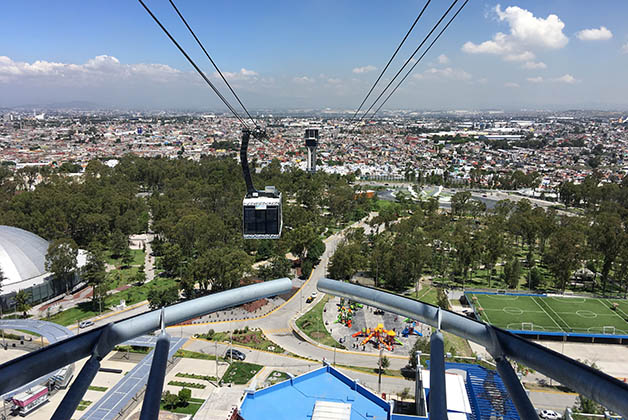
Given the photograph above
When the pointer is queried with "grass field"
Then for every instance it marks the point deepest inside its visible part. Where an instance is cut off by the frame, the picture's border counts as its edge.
(553, 314)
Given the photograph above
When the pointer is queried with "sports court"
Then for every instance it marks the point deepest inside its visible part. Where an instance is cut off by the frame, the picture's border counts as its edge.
(552, 315)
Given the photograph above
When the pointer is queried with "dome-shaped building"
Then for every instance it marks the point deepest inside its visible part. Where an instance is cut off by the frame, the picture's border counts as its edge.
(22, 259)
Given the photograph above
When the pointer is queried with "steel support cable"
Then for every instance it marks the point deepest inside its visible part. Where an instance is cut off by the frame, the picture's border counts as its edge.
(390, 61)
(200, 72)
(200, 44)
(420, 58)
(408, 60)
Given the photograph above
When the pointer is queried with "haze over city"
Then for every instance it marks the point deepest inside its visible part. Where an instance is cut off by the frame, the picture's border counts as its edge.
(283, 55)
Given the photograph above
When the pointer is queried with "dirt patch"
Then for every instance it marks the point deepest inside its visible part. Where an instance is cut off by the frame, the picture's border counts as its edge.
(255, 305)
(316, 335)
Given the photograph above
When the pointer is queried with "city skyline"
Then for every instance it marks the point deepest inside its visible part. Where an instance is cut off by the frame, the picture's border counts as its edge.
(540, 55)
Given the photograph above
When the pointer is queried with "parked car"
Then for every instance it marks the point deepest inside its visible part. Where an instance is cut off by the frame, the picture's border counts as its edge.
(236, 354)
(314, 294)
(549, 414)
(85, 324)
(309, 299)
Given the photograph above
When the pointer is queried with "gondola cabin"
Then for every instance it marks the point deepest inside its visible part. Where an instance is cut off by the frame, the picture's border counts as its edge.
(262, 218)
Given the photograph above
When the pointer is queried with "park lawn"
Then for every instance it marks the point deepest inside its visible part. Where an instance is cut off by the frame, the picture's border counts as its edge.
(249, 338)
(194, 355)
(240, 373)
(428, 294)
(121, 277)
(277, 376)
(311, 323)
(74, 315)
(191, 408)
(553, 313)
(138, 258)
(131, 296)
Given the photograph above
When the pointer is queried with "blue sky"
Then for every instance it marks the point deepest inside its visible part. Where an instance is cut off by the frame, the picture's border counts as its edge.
(323, 53)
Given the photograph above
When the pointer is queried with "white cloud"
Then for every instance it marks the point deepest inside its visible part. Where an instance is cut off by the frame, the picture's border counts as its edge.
(533, 65)
(567, 78)
(334, 81)
(527, 33)
(600, 34)
(446, 73)
(96, 70)
(524, 56)
(303, 80)
(443, 59)
(624, 48)
(364, 69)
(538, 79)
(241, 75)
(511, 84)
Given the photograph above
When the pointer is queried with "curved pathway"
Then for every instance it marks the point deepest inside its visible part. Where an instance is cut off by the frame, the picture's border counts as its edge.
(49, 330)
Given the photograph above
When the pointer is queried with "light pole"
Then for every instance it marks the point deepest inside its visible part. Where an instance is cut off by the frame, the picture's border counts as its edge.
(379, 379)
(216, 352)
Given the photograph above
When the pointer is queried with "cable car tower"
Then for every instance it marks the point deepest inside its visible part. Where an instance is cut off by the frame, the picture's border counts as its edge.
(261, 210)
(311, 142)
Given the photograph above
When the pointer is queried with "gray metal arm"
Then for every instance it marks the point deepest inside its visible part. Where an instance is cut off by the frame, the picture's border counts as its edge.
(36, 364)
(592, 383)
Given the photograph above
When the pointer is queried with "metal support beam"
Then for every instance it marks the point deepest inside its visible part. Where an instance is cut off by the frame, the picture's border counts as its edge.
(605, 389)
(155, 385)
(75, 394)
(438, 389)
(515, 390)
(31, 366)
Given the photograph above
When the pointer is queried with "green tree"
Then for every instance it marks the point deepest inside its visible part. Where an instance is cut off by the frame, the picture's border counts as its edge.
(512, 273)
(421, 344)
(441, 299)
(565, 251)
(385, 362)
(170, 400)
(119, 244)
(61, 261)
(158, 298)
(185, 394)
(94, 274)
(127, 257)
(346, 261)
(607, 237)
(172, 258)
(459, 202)
(277, 268)
(22, 302)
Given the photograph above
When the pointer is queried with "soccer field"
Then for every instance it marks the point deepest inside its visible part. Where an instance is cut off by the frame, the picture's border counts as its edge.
(575, 315)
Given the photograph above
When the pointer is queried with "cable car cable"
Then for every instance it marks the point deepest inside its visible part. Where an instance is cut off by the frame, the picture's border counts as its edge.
(420, 58)
(390, 61)
(200, 72)
(408, 60)
(213, 63)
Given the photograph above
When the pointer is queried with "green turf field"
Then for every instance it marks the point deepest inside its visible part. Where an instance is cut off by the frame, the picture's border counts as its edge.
(552, 314)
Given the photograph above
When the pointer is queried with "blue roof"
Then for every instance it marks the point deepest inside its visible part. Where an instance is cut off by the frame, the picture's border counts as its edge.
(295, 398)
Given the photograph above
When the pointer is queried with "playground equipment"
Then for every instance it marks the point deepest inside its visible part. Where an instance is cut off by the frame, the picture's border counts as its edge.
(379, 335)
(345, 315)
(410, 329)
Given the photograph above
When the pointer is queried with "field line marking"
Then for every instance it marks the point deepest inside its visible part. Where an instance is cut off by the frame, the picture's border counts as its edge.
(550, 317)
(613, 312)
(559, 317)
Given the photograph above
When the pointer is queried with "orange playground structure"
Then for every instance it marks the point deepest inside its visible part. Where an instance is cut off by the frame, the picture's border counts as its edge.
(379, 335)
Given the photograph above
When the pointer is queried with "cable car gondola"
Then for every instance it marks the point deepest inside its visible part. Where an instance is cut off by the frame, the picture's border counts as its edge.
(261, 210)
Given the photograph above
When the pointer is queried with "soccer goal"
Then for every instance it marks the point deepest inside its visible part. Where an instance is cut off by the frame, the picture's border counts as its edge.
(527, 326)
(608, 329)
